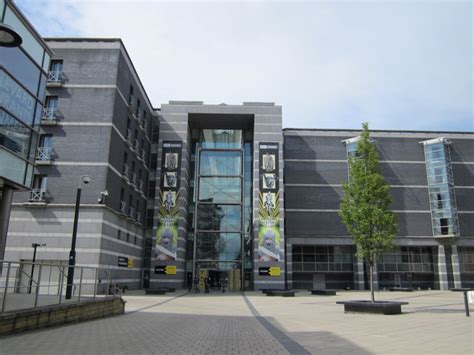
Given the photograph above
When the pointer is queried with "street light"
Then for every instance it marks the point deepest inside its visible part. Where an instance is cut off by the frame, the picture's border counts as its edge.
(34, 246)
(84, 179)
(8, 37)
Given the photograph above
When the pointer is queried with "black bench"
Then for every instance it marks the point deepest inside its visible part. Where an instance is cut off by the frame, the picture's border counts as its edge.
(156, 291)
(281, 293)
(401, 289)
(379, 307)
(320, 292)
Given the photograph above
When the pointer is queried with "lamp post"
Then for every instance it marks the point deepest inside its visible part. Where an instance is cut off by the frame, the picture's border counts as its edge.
(9, 37)
(35, 246)
(72, 254)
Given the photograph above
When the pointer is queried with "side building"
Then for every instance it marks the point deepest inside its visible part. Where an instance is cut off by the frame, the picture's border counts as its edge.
(23, 74)
(97, 122)
(431, 175)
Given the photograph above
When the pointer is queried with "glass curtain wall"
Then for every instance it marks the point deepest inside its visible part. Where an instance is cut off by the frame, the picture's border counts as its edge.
(219, 239)
(441, 188)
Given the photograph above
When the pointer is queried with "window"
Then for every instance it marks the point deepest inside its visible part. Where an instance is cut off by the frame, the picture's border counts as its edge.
(119, 234)
(55, 70)
(14, 135)
(51, 108)
(128, 123)
(154, 161)
(149, 217)
(122, 201)
(130, 95)
(125, 165)
(45, 147)
(155, 134)
(39, 188)
(137, 109)
(441, 187)
(128, 237)
(151, 190)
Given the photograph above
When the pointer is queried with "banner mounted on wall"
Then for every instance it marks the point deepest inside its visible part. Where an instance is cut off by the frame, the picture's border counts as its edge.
(168, 209)
(269, 235)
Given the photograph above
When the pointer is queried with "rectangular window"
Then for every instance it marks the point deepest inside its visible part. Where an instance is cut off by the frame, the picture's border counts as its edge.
(55, 71)
(220, 163)
(45, 147)
(15, 99)
(220, 190)
(130, 95)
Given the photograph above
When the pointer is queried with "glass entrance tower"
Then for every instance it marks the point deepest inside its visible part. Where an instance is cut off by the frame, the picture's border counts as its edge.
(220, 231)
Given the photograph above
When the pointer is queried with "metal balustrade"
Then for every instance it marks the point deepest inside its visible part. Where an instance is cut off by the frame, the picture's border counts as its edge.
(131, 212)
(55, 76)
(28, 285)
(44, 153)
(133, 180)
(125, 170)
(49, 114)
(37, 195)
(123, 207)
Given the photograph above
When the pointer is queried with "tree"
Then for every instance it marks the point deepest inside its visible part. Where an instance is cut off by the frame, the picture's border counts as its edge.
(364, 208)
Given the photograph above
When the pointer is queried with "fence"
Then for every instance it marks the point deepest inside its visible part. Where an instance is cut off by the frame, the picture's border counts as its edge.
(25, 285)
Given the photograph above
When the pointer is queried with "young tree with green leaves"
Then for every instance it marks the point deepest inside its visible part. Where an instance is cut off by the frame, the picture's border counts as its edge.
(364, 208)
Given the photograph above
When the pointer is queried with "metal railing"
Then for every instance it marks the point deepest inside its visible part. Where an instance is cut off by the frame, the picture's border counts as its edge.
(125, 170)
(140, 185)
(138, 217)
(129, 136)
(49, 114)
(55, 76)
(37, 195)
(131, 212)
(136, 146)
(133, 178)
(123, 207)
(28, 285)
(143, 154)
(44, 153)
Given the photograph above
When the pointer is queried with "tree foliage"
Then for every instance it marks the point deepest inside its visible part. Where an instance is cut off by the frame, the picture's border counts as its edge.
(364, 208)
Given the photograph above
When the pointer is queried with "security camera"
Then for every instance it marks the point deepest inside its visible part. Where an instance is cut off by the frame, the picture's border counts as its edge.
(86, 179)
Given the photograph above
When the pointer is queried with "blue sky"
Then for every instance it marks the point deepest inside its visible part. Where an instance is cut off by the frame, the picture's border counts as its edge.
(397, 65)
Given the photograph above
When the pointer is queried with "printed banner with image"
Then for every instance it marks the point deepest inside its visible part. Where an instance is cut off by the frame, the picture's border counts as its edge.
(269, 236)
(168, 209)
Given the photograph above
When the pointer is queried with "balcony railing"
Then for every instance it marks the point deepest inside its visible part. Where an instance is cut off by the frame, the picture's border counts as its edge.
(37, 195)
(44, 153)
(123, 207)
(140, 185)
(136, 146)
(49, 114)
(55, 76)
(129, 136)
(142, 155)
(125, 170)
(138, 217)
(131, 212)
(133, 180)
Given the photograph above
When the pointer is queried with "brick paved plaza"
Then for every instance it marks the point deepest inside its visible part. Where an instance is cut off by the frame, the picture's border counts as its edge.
(180, 323)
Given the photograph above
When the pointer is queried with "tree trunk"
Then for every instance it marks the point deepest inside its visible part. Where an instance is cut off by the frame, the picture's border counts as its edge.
(371, 272)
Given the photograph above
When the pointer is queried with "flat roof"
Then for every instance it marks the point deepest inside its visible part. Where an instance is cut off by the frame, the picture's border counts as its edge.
(373, 130)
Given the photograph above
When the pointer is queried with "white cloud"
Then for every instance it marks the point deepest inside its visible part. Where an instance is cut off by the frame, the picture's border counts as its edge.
(397, 65)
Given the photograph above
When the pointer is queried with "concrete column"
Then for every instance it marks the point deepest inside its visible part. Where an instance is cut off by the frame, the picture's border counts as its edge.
(442, 269)
(6, 198)
(456, 267)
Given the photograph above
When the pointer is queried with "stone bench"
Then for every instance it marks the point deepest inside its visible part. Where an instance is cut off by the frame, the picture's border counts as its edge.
(320, 292)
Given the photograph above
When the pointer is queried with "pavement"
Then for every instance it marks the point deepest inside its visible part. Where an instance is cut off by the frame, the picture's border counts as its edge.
(234, 323)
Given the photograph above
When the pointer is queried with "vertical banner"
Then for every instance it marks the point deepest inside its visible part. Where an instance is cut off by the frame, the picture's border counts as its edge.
(168, 209)
(269, 204)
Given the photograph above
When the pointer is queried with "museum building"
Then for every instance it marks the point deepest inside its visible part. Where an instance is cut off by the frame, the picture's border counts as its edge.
(191, 190)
